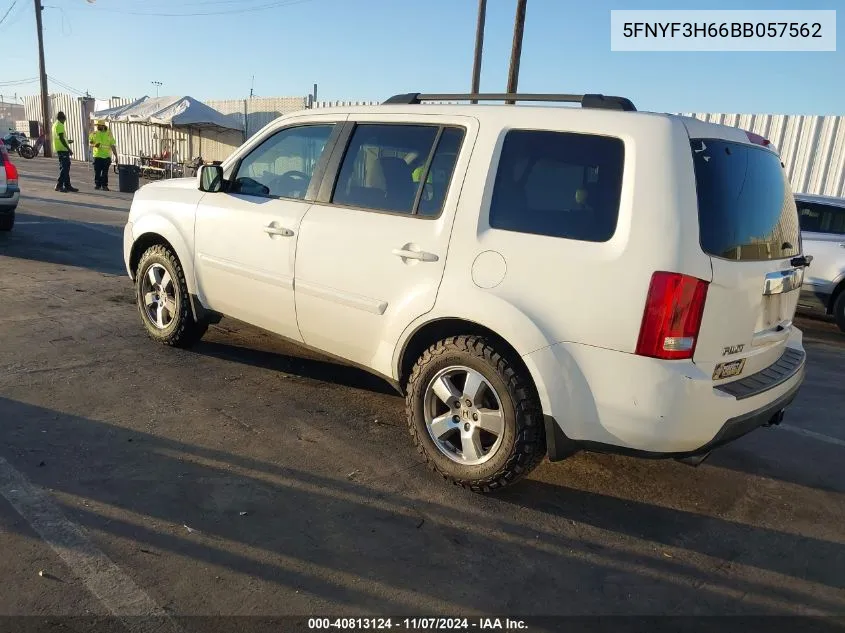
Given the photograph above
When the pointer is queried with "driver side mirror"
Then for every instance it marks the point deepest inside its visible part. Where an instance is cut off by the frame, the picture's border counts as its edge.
(210, 178)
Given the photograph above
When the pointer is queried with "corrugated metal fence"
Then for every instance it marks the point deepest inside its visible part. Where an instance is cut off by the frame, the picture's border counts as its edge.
(811, 147)
(78, 111)
(134, 139)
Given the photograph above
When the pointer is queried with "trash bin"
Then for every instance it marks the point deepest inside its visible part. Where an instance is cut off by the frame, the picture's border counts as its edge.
(127, 178)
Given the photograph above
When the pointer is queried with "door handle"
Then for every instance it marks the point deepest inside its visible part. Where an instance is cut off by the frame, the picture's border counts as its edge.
(841, 244)
(271, 229)
(418, 255)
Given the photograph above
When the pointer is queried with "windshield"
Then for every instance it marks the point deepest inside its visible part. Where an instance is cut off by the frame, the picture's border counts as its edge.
(746, 210)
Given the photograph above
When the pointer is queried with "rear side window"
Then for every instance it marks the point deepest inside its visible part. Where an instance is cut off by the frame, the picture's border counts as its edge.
(746, 210)
(398, 168)
(821, 218)
(558, 184)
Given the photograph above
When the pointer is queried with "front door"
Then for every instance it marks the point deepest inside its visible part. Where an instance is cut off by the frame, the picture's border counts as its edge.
(246, 236)
(371, 258)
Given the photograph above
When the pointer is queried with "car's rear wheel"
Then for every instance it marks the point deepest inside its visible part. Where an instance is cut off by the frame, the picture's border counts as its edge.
(7, 221)
(161, 293)
(839, 310)
(474, 414)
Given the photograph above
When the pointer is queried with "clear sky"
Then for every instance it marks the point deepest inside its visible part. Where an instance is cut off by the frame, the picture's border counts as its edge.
(370, 49)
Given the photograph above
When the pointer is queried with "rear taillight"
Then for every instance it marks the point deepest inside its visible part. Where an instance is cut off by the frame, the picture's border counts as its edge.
(11, 173)
(672, 316)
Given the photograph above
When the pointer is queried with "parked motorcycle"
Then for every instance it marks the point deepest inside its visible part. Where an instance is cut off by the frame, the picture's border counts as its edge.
(16, 142)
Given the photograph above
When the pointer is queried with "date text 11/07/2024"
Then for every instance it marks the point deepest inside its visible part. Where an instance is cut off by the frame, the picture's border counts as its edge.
(417, 624)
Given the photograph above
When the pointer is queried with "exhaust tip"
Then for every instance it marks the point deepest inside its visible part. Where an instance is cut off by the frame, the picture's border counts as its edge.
(777, 418)
(693, 460)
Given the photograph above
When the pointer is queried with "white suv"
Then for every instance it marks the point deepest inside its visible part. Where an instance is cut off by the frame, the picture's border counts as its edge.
(535, 280)
(823, 231)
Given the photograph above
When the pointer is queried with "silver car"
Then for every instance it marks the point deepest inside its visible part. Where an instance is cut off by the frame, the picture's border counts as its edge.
(823, 232)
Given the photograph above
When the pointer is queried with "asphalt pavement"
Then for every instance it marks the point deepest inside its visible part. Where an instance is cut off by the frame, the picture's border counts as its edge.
(246, 477)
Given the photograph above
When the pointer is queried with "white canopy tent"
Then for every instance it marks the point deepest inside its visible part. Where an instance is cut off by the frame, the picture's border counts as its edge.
(184, 113)
(170, 112)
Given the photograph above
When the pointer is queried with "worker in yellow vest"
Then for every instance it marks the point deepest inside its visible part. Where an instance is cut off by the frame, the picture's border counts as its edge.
(61, 145)
(103, 146)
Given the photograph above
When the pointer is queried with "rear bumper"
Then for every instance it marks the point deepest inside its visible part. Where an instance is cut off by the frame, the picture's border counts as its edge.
(613, 401)
(560, 446)
(9, 201)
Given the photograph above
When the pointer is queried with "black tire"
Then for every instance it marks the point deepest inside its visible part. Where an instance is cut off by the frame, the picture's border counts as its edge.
(182, 330)
(7, 221)
(27, 151)
(523, 444)
(839, 310)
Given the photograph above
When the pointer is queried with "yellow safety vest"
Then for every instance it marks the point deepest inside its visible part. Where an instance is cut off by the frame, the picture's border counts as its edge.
(417, 174)
(106, 141)
(59, 128)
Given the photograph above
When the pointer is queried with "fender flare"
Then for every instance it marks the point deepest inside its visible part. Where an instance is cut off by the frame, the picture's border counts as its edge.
(158, 225)
(492, 313)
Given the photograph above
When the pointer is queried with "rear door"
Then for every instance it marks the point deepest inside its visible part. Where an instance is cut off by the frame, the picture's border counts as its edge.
(371, 254)
(749, 227)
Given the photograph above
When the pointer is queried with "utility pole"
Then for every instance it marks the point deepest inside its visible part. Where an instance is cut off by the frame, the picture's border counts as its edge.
(479, 45)
(516, 50)
(45, 95)
(156, 84)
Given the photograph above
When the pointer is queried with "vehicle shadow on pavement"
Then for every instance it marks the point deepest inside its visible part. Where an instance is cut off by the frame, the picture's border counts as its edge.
(72, 199)
(315, 369)
(406, 545)
(808, 558)
(66, 243)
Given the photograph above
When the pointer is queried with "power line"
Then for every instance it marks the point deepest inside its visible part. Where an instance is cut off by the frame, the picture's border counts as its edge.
(8, 11)
(62, 84)
(263, 7)
(18, 82)
(169, 3)
(16, 16)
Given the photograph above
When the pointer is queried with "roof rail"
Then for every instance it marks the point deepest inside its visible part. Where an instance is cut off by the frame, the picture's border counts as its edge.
(587, 101)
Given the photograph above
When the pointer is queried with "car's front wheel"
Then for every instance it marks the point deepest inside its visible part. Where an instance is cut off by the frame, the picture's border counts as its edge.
(474, 414)
(161, 293)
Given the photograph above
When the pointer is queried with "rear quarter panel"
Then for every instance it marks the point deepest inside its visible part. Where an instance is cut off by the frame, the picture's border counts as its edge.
(570, 290)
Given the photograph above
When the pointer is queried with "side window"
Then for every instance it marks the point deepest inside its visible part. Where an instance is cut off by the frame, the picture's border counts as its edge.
(282, 166)
(385, 166)
(821, 218)
(558, 184)
(440, 173)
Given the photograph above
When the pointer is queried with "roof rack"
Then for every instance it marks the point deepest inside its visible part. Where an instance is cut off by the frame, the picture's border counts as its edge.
(587, 101)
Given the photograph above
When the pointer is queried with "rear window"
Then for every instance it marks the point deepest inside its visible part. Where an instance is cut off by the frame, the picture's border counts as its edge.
(558, 184)
(746, 210)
